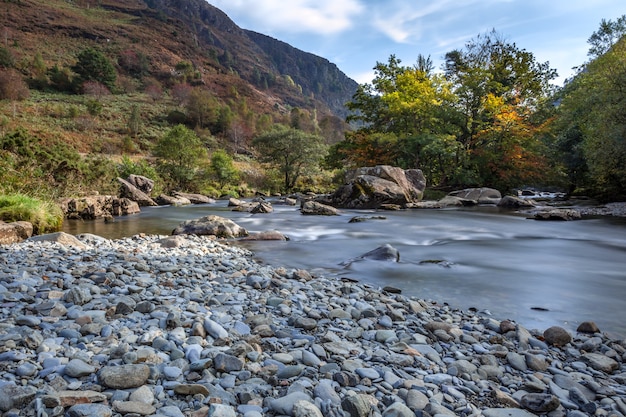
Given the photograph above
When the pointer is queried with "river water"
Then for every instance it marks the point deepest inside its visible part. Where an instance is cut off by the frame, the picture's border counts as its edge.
(536, 273)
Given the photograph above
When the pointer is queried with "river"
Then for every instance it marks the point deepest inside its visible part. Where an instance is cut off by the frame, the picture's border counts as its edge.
(536, 273)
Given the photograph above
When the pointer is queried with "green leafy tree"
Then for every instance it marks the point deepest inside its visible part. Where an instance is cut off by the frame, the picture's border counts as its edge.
(592, 119)
(181, 155)
(202, 108)
(223, 168)
(93, 65)
(134, 121)
(293, 152)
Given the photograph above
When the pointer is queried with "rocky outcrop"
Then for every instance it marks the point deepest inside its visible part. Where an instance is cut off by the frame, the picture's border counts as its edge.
(211, 225)
(128, 190)
(14, 232)
(372, 187)
(97, 206)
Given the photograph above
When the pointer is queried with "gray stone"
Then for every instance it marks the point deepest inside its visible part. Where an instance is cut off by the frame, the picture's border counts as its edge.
(358, 405)
(77, 368)
(516, 361)
(227, 363)
(15, 396)
(416, 400)
(124, 376)
(221, 410)
(540, 403)
(215, 329)
(142, 394)
(306, 409)
(398, 410)
(506, 412)
(601, 362)
(284, 405)
(89, 410)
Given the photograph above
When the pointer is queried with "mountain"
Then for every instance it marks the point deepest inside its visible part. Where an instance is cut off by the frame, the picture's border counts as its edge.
(269, 73)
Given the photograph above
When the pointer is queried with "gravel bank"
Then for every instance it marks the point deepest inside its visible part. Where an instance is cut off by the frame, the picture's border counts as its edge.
(185, 326)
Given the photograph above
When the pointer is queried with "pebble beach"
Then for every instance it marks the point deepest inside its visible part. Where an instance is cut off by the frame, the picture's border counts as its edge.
(192, 326)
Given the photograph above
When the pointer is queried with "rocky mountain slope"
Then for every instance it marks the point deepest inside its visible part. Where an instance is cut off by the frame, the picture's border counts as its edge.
(269, 73)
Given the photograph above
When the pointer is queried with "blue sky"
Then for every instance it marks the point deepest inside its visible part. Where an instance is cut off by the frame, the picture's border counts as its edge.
(355, 34)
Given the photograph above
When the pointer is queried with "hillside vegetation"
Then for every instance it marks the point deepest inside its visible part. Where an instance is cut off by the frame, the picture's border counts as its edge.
(89, 87)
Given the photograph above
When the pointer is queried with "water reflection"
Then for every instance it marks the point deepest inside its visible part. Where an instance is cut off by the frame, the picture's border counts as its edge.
(479, 258)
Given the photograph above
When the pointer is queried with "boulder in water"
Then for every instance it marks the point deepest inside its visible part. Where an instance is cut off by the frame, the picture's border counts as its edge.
(372, 187)
(211, 225)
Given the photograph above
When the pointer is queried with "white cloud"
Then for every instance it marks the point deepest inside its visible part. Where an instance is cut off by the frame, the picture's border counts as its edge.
(321, 17)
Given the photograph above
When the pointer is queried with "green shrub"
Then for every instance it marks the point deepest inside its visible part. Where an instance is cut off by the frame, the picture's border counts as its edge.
(44, 215)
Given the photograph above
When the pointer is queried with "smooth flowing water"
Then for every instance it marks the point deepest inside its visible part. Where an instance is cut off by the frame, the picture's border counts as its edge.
(537, 273)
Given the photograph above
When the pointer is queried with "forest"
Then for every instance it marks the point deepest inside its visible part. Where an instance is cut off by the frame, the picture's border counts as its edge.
(492, 117)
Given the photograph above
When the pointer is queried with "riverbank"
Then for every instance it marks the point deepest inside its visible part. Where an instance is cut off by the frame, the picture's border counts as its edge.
(187, 326)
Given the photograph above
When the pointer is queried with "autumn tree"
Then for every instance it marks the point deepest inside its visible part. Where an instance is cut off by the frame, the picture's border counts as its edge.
(292, 152)
(12, 85)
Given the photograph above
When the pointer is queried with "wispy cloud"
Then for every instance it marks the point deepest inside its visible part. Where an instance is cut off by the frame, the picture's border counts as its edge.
(321, 17)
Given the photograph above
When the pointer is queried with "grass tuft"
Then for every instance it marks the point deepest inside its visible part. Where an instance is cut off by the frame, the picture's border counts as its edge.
(44, 215)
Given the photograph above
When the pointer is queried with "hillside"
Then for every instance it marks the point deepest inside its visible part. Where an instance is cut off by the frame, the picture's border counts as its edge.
(232, 63)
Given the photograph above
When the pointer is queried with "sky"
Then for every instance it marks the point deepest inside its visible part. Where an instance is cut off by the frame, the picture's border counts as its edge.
(356, 34)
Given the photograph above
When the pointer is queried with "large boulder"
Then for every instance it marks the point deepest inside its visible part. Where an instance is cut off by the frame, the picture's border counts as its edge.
(510, 201)
(167, 200)
(128, 190)
(144, 184)
(211, 225)
(558, 214)
(313, 208)
(478, 195)
(14, 232)
(194, 198)
(372, 187)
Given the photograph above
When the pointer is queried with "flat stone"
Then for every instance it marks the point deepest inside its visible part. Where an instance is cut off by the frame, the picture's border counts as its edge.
(600, 362)
(69, 398)
(89, 410)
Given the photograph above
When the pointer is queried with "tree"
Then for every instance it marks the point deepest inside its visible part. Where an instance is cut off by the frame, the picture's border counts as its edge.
(134, 121)
(592, 120)
(93, 65)
(293, 152)
(12, 86)
(223, 167)
(202, 108)
(606, 36)
(180, 154)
